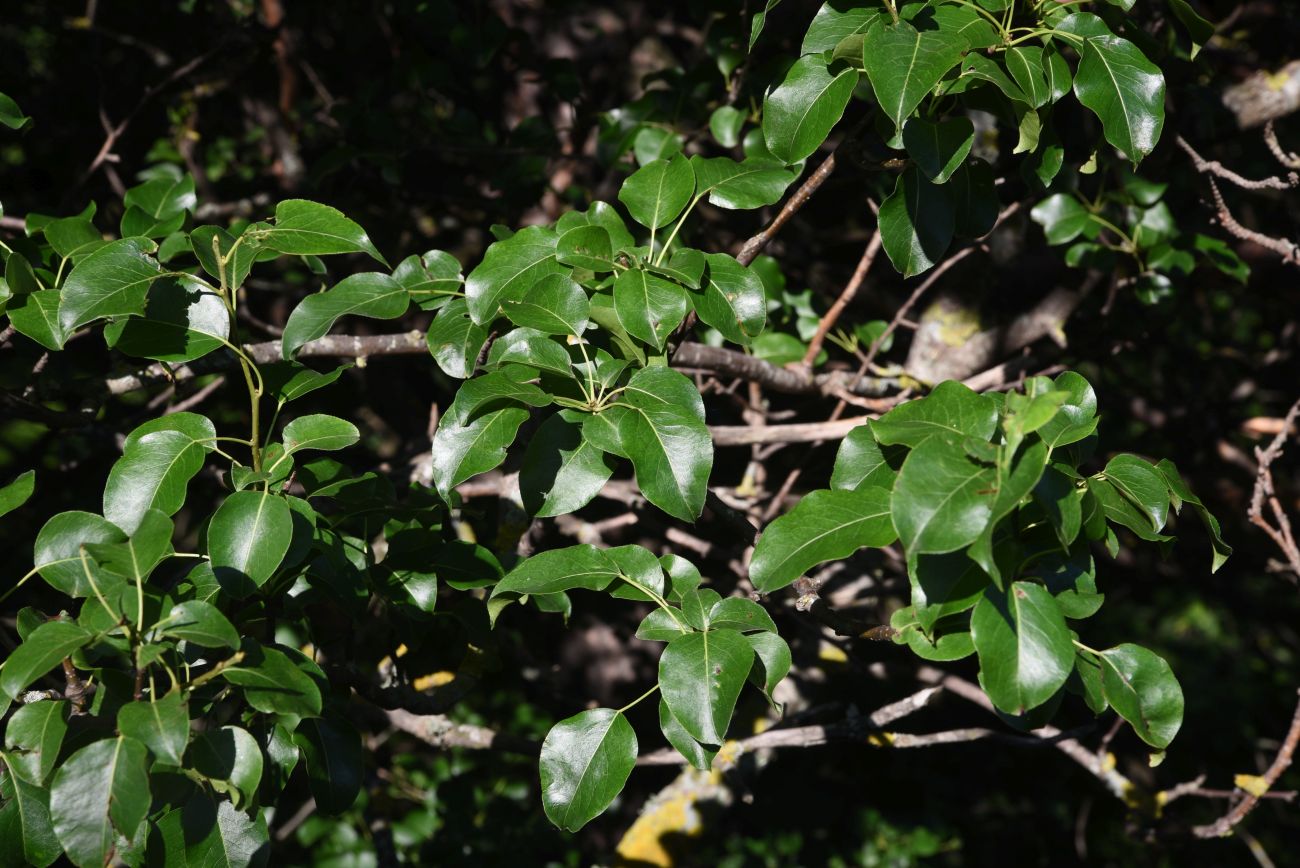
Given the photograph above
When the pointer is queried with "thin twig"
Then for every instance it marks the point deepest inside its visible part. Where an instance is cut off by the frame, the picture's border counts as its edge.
(1214, 167)
(754, 246)
(827, 321)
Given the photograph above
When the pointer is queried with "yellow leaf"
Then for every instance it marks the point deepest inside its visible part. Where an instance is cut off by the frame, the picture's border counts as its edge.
(1253, 784)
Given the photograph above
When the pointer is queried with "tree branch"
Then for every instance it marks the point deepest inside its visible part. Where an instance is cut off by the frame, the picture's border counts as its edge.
(750, 249)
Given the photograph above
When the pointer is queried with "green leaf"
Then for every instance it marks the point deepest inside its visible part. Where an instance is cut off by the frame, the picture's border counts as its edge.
(455, 340)
(700, 676)
(150, 544)
(945, 585)
(332, 749)
(370, 294)
(549, 572)
(649, 307)
(214, 834)
(725, 124)
(509, 269)
(531, 348)
(803, 109)
(860, 463)
(182, 321)
(57, 553)
(751, 184)
(319, 431)
(1024, 647)
(774, 658)
(1142, 689)
(561, 470)
(586, 759)
(1025, 63)
(837, 21)
(1180, 494)
(1077, 417)
(1120, 85)
(740, 613)
(249, 535)
(672, 454)
(586, 247)
(733, 300)
(943, 499)
(162, 725)
(1056, 495)
(15, 494)
(272, 683)
(311, 229)
(100, 791)
(758, 21)
(904, 64)
(199, 429)
(1142, 484)
(461, 451)
(112, 281)
(824, 526)
(1198, 28)
(153, 473)
(202, 623)
(952, 410)
(231, 759)
(432, 279)
(506, 386)
(240, 262)
(42, 650)
(1062, 217)
(157, 207)
(75, 238)
(11, 115)
(38, 729)
(25, 829)
(36, 315)
(939, 149)
(289, 381)
(917, 222)
(554, 305)
(653, 143)
(658, 191)
(696, 754)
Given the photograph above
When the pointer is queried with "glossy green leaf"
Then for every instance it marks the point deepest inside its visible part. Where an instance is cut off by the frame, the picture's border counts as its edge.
(182, 321)
(162, 725)
(202, 623)
(26, 832)
(1141, 687)
(100, 791)
(432, 279)
(455, 340)
(824, 526)
(700, 677)
(249, 535)
(554, 305)
(533, 349)
(1062, 217)
(746, 185)
(945, 585)
(860, 463)
(321, 432)
(586, 247)
(158, 206)
(657, 192)
(1025, 63)
(1024, 647)
(725, 124)
(11, 115)
(586, 759)
(1120, 85)
(42, 650)
(16, 493)
(1077, 417)
(803, 109)
(370, 294)
(214, 833)
(943, 499)
(561, 470)
(272, 683)
(112, 281)
(698, 755)
(1056, 495)
(36, 315)
(672, 454)
(504, 387)
(740, 613)
(1200, 30)
(837, 21)
(917, 222)
(231, 759)
(904, 64)
(57, 553)
(238, 263)
(549, 572)
(1142, 484)
(939, 149)
(659, 385)
(332, 749)
(153, 473)
(509, 269)
(461, 451)
(648, 306)
(1180, 494)
(952, 410)
(38, 728)
(773, 657)
(310, 229)
(733, 300)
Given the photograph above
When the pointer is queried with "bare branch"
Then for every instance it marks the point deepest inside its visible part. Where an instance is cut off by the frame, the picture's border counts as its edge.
(1214, 167)
(1281, 534)
(1288, 250)
(850, 290)
(750, 249)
